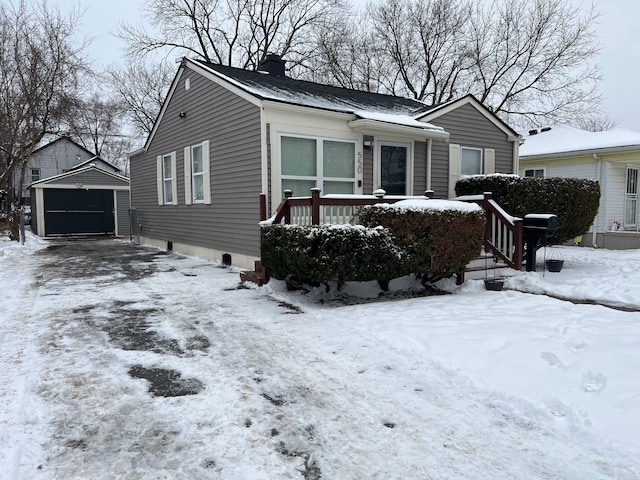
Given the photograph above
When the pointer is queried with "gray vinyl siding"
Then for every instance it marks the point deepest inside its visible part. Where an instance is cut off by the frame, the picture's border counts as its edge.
(232, 126)
(419, 168)
(469, 128)
(440, 168)
(122, 208)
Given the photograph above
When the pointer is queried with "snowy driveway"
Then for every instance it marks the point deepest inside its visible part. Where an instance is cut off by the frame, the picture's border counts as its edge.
(125, 362)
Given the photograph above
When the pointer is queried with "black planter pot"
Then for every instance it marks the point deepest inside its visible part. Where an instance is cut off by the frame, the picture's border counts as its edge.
(554, 265)
(494, 285)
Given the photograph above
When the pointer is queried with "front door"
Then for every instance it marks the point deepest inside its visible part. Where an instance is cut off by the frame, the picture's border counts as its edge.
(631, 198)
(394, 168)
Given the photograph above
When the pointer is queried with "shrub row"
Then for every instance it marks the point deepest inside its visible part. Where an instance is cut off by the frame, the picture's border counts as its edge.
(388, 243)
(574, 201)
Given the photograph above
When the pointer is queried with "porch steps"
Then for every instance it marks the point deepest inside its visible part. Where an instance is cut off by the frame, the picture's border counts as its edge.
(484, 267)
(258, 276)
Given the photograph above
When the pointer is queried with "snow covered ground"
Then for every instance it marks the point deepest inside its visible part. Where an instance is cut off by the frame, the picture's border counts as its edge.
(137, 364)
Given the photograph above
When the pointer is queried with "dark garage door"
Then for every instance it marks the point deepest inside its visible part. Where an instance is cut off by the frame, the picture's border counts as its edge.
(69, 212)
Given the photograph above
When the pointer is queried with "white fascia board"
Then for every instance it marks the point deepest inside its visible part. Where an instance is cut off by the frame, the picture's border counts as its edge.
(376, 127)
(46, 181)
(455, 104)
(81, 186)
(136, 152)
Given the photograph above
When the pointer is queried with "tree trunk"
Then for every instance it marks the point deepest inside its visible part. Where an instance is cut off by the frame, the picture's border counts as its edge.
(14, 224)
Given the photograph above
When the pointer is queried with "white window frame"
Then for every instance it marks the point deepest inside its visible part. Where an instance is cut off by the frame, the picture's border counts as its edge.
(163, 181)
(631, 199)
(189, 175)
(534, 171)
(488, 157)
(195, 175)
(38, 175)
(409, 175)
(320, 178)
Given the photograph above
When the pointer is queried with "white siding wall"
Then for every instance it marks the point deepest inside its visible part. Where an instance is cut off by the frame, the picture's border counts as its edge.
(573, 171)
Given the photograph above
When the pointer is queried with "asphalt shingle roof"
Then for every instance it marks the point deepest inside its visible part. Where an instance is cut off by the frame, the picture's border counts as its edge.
(300, 92)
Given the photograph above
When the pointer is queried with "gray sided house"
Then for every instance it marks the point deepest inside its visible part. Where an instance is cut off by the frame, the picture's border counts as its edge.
(58, 156)
(83, 201)
(226, 135)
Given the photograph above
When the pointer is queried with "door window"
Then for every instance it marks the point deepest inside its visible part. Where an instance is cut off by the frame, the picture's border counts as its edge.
(394, 168)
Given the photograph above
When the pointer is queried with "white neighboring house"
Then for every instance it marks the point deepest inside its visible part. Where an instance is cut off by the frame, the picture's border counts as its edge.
(612, 157)
(59, 156)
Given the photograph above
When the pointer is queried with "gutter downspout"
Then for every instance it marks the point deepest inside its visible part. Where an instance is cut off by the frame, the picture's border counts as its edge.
(594, 242)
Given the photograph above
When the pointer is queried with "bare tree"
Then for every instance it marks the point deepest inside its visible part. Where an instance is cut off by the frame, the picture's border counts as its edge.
(96, 121)
(142, 87)
(533, 61)
(40, 64)
(423, 44)
(238, 33)
(528, 61)
(596, 123)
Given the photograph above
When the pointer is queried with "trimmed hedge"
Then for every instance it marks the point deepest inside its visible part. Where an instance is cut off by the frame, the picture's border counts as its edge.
(390, 243)
(436, 243)
(320, 254)
(574, 201)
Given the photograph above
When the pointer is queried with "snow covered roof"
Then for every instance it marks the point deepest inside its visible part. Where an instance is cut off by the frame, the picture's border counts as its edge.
(564, 139)
(95, 159)
(72, 173)
(364, 105)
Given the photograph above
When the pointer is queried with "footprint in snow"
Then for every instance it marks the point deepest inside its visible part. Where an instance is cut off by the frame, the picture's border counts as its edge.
(552, 360)
(593, 382)
(557, 408)
(577, 346)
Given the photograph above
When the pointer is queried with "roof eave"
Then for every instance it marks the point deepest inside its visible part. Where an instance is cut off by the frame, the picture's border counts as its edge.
(580, 152)
(370, 126)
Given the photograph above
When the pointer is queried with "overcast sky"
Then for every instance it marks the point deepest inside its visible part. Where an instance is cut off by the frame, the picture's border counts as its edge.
(618, 30)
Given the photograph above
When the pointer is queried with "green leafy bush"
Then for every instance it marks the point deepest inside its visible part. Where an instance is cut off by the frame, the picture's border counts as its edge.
(574, 201)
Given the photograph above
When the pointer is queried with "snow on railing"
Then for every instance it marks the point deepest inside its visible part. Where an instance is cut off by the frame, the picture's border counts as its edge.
(503, 234)
(329, 209)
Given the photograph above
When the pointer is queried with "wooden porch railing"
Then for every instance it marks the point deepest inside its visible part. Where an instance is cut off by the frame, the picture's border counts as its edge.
(503, 233)
(329, 209)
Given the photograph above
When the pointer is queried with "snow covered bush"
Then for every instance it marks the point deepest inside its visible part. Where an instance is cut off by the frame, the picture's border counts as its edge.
(574, 201)
(438, 237)
(320, 254)
(390, 241)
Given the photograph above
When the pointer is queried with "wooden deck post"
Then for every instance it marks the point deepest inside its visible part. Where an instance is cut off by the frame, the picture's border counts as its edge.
(315, 206)
(287, 214)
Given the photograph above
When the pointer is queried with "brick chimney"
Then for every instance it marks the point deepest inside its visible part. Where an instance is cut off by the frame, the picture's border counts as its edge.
(273, 65)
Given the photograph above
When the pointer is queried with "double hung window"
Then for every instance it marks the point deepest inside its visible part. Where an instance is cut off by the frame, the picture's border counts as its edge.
(197, 181)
